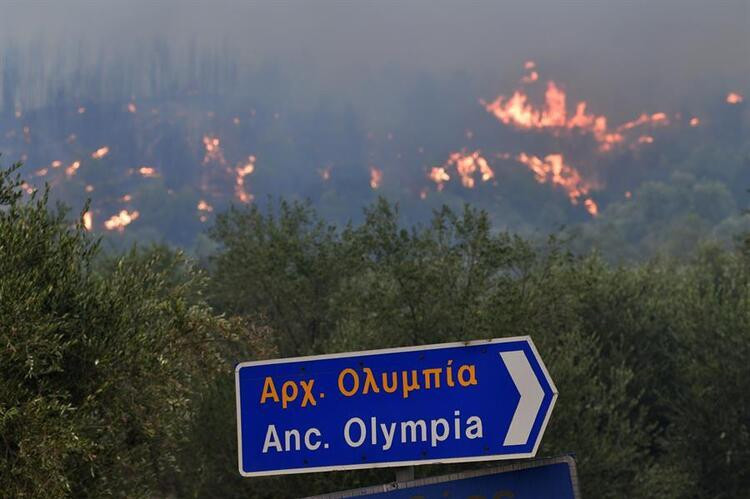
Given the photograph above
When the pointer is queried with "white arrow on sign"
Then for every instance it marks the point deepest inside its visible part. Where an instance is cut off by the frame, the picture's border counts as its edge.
(532, 395)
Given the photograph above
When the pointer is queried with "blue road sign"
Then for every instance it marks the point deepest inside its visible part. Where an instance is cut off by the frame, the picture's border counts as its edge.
(539, 479)
(457, 402)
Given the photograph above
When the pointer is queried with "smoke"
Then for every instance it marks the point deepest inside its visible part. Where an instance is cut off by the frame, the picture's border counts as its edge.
(675, 50)
(166, 112)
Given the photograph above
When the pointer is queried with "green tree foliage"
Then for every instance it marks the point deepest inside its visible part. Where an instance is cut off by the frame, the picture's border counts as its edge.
(104, 362)
(644, 356)
(117, 373)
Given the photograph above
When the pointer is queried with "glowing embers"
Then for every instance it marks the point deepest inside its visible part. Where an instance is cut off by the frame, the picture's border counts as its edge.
(214, 154)
(100, 153)
(532, 75)
(73, 168)
(466, 166)
(376, 177)
(552, 169)
(121, 220)
(439, 176)
(734, 98)
(325, 173)
(645, 119)
(148, 172)
(204, 208)
(241, 171)
(88, 221)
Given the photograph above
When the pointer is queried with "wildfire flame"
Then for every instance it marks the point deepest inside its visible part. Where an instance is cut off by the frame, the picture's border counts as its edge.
(466, 165)
(242, 171)
(88, 221)
(325, 173)
(530, 78)
(654, 119)
(439, 176)
(100, 153)
(376, 177)
(519, 112)
(213, 150)
(734, 98)
(547, 111)
(121, 220)
(204, 206)
(591, 207)
(71, 170)
(148, 172)
(554, 170)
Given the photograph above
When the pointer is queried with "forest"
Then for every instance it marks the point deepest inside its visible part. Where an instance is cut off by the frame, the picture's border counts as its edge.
(118, 365)
(185, 189)
(164, 139)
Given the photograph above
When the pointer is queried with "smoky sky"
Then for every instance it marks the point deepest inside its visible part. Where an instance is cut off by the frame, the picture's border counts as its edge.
(623, 53)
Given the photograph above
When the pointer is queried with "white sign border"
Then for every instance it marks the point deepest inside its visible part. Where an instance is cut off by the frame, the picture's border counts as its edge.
(391, 464)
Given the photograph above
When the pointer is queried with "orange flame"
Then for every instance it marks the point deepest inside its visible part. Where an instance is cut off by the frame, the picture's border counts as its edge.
(695, 121)
(88, 221)
(242, 171)
(56, 163)
(376, 177)
(100, 153)
(213, 150)
(591, 207)
(131, 107)
(517, 111)
(121, 220)
(148, 172)
(325, 173)
(439, 176)
(71, 170)
(466, 165)
(734, 98)
(204, 206)
(643, 119)
(554, 170)
(530, 78)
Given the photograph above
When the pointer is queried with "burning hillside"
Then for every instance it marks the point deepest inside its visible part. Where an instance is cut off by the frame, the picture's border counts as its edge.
(138, 158)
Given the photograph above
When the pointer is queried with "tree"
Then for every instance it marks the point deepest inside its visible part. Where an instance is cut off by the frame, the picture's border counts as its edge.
(104, 360)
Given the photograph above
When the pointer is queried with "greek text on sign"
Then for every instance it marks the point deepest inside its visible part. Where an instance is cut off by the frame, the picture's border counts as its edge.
(472, 401)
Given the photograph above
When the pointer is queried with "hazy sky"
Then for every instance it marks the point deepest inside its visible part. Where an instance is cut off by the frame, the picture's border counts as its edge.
(667, 49)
